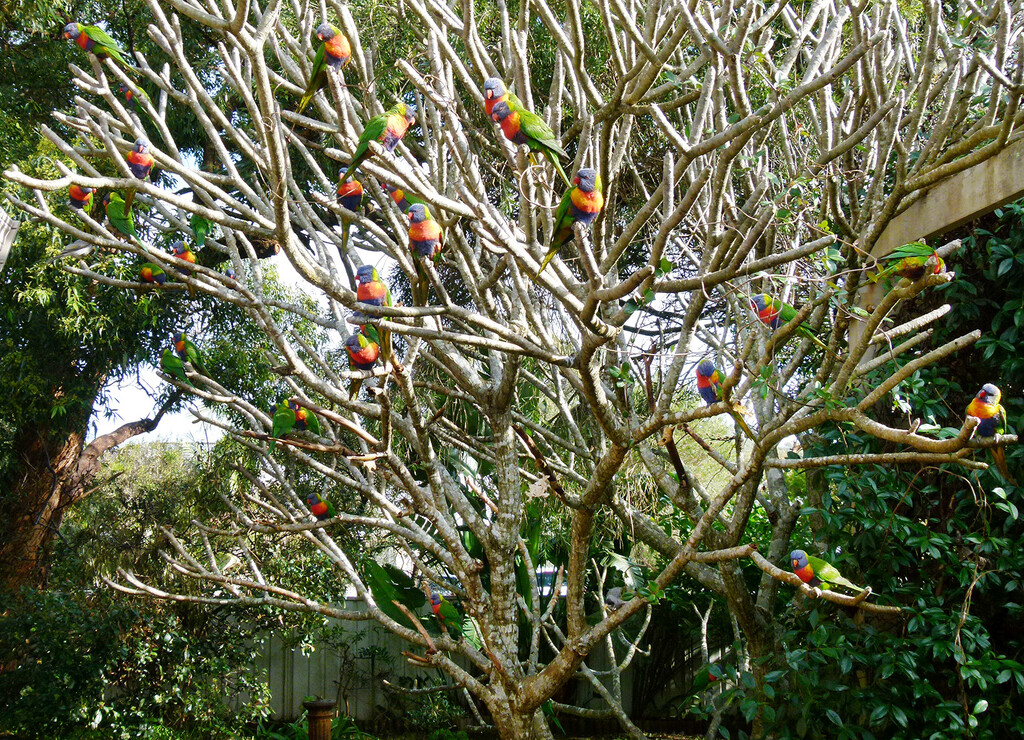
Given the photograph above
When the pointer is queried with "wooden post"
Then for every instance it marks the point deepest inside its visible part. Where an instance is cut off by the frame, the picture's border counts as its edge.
(950, 203)
(320, 712)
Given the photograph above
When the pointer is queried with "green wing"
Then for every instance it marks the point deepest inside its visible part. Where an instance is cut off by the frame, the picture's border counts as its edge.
(317, 78)
(171, 364)
(201, 228)
(563, 222)
(786, 312)
(913, 249)
(192, 353)
(1001, 419)
(284, 421)
(312, 423)
(375, 128)
(106, 43)
(830, 574)
(116, 213)
(562, 217)
(534, 127)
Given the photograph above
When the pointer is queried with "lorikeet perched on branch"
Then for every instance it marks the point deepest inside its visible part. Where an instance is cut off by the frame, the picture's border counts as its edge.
(80, 197)
(150, 272)
(119, 216)
(140, 161)
(171, 364)
(581, 203)
(321, 509)
(362, 355)
(371, 290)
(817, 573)
(446, 614)
(137, 107)
(350, 194)
(334, 52)
(387, 128)
(709, 385)
(425, 236)
(95, 40)
(180, 250)
(350, 197)
(201, 228)
(188, 352)
(773, 313)
(986, 406)
(289, 415)
(911, 262)
(521, 126)
(401, 198)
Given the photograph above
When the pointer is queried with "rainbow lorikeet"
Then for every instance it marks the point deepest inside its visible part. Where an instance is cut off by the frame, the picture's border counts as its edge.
(188, 352)
(773, 313)
(387, 128)
(152, 273)
(446, 614)
(135, 106)
(581, 203)
(401, 198)
(334, 52)
(180, 250)
(371, 290)
(521, 126)
(426, 240)
(201, 228)
(362, 355)
(289, 415)
(80, 197)
(818, 573)
(495, 92)
(171, 364)
(703, 678)
(350, 197)
(321, 509)
(120, 216)
(350, 194)
(425, 237)
(96, 41)
(911, 262)
(140, 161)
(709, 385)
(229, 272)
(986, 406)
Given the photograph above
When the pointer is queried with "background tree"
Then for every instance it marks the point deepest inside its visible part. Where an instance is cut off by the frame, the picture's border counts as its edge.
(743, 149)
(62, 340)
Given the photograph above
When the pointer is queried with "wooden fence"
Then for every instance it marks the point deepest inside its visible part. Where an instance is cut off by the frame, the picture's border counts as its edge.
(357, 662)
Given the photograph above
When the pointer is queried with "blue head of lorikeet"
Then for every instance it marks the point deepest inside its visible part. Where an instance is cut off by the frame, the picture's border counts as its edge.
(230, 273)
(494, 93)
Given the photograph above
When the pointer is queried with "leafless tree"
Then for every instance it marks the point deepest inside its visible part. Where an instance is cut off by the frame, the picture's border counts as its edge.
(745, 148)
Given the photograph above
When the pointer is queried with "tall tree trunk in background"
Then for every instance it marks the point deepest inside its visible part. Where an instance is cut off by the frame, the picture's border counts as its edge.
(46, 486)
(53, 476)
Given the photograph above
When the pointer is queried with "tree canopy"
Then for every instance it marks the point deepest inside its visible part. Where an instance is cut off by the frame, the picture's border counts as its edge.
(750, 156)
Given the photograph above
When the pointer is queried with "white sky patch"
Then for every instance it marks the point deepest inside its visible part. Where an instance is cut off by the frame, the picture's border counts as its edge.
(129, 401)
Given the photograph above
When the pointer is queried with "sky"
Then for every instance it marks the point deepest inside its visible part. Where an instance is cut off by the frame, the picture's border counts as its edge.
(130, 401)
